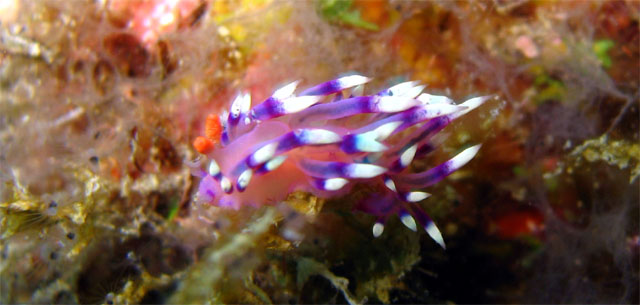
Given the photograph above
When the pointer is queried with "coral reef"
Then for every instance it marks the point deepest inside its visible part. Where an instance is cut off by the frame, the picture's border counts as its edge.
(101, 102)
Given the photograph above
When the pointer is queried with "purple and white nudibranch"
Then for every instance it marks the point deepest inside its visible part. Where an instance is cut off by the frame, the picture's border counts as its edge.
(328, 138)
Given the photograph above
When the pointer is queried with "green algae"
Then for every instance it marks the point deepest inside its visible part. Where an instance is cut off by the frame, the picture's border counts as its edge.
(620, 153)
(601, 49)
(340, 11)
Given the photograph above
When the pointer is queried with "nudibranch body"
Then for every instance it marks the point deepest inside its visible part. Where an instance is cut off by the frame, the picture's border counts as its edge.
(324, 141)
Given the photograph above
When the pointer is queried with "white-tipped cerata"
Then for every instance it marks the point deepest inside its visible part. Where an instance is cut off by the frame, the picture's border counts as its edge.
(433, 231)
(463, 158)
(243, 179)
(263, 154)
(334, 184)
(471, 104)
(398, 89)
(298, 103)
(383, 131)
(213, 169)
(390, 184)
(408, 154)
(413, 92)
(225, 185)
(475, 102)
(363, 170)
(224, 117)
(416, 196)
(391, 104)
(274, 163)
(366, 143)
(409, 222)
(246, 103)
(378, 228)
(436, 110)
(406, 90)
(426, 98)
(357, 90)
(401, 89)
(317, 136)
(240, 105)
(285, 91)
(352, 81)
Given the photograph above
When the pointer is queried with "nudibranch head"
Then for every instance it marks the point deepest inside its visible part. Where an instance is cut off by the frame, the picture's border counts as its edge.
(312, 142)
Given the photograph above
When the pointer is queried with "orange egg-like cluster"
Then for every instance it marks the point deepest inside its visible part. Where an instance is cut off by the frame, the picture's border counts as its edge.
(212, 132)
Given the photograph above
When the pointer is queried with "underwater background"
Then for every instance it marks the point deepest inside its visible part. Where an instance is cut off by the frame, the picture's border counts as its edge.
(100, 102)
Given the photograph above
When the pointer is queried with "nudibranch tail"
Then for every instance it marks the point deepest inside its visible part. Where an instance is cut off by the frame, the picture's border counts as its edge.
(258, 154)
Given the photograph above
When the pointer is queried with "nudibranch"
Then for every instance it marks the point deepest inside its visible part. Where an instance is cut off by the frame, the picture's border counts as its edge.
(326, 139)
